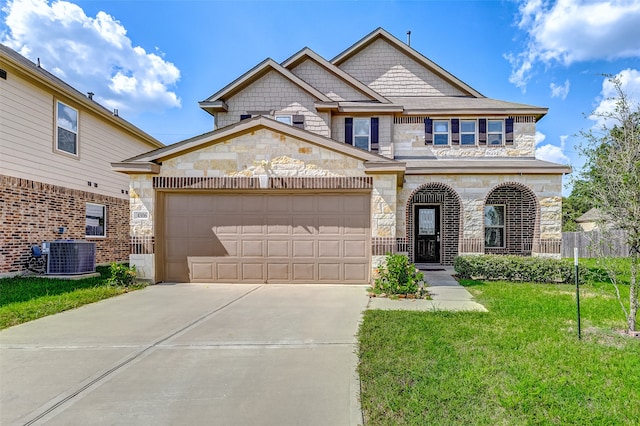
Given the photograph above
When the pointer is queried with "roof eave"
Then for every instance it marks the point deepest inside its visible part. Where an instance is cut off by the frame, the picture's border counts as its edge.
(134, 168)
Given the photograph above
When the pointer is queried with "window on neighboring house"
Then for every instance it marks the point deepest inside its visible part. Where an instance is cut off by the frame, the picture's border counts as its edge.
(67, 129)
(362, 132)
(467, 132)
(495, 132)
(440, 132)
(494, 226)
(96, 220)
(286, 119)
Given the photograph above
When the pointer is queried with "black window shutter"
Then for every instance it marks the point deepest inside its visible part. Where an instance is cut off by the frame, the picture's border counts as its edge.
(298, 121)
(428, 131)
(482, 131)
(348, 130)
(455, 131)
(374, 134)
(508, 129)
(244, 116)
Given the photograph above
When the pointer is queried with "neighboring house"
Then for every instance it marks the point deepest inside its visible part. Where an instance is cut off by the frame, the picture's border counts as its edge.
(589, 220)
(317, 168)
(56, 146)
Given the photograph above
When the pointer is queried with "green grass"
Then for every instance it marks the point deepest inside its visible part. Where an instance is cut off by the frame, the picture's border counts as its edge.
(519, 364)
(25, 299)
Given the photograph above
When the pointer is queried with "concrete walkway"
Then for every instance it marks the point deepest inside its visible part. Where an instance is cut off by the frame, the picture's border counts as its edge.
(446, 294)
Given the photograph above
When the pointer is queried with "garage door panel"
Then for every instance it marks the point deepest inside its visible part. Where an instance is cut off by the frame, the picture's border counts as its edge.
(329, 248)
(354, 249)
(252, 271)
(278, 272)
(307, 238)
(253, 248)
(278, 248)
(304, 248)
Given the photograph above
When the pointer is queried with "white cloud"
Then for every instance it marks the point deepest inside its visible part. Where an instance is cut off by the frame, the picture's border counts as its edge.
(560, 91)
(553, 153)
(629, 83)
(540, 137)
(569, 31)
(91, 54)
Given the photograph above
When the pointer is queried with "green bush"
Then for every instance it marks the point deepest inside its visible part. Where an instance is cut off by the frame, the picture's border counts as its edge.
(514, 268)
(397, 276)
(122, 275)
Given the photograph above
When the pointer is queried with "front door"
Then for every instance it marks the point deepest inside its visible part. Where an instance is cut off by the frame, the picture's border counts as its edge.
(426, 221)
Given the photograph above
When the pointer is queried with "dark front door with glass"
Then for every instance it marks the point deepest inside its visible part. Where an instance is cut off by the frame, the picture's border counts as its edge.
(427, 234)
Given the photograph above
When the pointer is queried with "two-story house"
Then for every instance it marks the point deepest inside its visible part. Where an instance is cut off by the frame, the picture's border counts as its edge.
(316, 168)
(56, 182)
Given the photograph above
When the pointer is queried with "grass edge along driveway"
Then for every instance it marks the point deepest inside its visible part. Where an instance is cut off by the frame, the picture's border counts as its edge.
(520, 363)
(24, 299)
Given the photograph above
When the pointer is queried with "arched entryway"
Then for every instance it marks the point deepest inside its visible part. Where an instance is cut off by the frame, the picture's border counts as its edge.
(511, 220)
(433, 224)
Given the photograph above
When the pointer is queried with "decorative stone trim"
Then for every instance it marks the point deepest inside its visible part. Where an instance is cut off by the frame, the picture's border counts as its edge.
(351, 182)
(225, 182)
(141, 244)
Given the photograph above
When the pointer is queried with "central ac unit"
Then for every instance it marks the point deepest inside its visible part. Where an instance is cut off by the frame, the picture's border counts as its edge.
(70, 257)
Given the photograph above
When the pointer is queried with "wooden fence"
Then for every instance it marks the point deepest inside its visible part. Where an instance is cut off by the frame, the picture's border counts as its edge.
(595, 244)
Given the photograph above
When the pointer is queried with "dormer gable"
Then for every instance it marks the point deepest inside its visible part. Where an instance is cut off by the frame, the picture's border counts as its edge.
(392, 68)
(218, 101)
(334, 82)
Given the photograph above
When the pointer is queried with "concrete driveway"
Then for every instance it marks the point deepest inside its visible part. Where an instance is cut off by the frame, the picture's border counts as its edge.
(189, 354)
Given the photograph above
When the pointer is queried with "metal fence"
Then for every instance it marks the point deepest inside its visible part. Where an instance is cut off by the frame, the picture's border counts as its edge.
(595, 244)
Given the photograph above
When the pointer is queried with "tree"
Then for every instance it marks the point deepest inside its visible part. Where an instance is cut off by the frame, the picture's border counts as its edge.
(575, 205)
(612, 170)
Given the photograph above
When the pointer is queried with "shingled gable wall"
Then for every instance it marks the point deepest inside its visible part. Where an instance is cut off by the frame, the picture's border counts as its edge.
(260, 153)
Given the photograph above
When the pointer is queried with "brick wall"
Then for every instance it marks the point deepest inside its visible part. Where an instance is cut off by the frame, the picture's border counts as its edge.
(31, 212)
(520, 219)
(450, 206)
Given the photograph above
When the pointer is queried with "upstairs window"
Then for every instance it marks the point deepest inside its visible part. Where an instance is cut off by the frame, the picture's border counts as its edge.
(440, 132)
(362, 132)
(495, 132)
(67, 129)
(467, 132)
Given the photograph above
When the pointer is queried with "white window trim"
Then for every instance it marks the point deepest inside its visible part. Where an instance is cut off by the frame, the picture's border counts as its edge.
(104, 210)
(368, 120)
(77, 132)
(448, 132)
(502, 135)
(475, 133)
(503, 226)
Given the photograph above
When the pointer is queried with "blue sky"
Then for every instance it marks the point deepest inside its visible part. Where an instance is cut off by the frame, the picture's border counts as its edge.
(154, 60)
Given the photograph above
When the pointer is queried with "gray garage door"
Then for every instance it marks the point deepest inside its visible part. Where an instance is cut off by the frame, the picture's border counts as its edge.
(260, 238)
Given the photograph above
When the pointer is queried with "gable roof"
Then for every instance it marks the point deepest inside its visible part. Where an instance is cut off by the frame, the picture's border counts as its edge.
(149, 162)
(380, 33)
(35, 73)
(308, 54)
(217, 101)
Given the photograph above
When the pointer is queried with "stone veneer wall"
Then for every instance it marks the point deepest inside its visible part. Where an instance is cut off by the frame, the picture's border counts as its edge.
(473, 190)
(31, 212)
(408, 140)
(262, 153)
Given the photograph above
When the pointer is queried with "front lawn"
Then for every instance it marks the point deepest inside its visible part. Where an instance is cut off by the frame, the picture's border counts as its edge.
(520, 363)
(24, 299)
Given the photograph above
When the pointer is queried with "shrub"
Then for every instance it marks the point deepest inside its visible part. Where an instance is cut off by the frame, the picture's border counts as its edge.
(514, 268)
(122, 275)
(397, 276)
